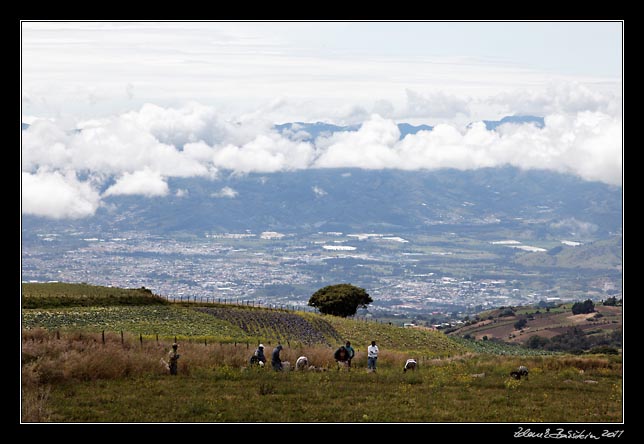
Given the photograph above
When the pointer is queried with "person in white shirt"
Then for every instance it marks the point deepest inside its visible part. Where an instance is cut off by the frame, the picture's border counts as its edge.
(372, 356)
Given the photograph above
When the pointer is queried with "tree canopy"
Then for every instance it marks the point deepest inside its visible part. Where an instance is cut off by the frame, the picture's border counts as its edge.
(583, 307)
(340, 299)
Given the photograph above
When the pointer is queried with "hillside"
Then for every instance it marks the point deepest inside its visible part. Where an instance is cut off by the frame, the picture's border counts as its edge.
(602, 326)
(542, 203)
(76, 367)
(603, 254)
(67, 307)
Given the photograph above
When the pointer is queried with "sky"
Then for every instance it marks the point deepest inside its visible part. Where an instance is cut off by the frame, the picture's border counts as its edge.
(156, 100)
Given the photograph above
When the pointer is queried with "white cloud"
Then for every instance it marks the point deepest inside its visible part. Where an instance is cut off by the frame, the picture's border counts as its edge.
(434, 105)
(319, 192)
(45, 143)
(369, 148)
(191, 123)
(141, 149)
(181, 192)
(267, 153)
(568, 97)
(144, 182)
(587, 144)
(57, 195)
(227, 192)
(575, 227)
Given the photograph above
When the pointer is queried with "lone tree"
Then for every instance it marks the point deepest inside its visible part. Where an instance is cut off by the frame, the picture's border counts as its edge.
(583, 307)
(340, 300)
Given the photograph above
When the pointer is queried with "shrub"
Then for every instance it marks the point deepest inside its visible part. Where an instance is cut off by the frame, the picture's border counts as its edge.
(518, 325)
(583, 307)
(537, 342)
(603, 350)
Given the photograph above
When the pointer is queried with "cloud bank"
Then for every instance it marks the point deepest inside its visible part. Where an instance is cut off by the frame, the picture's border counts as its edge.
(66, 166)
(57, 195)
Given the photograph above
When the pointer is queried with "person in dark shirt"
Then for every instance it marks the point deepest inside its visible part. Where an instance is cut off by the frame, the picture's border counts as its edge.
(258, 356)
(276, 362)
(341, 356)
(351, 352)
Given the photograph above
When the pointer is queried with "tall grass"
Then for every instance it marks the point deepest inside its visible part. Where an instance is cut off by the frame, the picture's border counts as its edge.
(78, 378)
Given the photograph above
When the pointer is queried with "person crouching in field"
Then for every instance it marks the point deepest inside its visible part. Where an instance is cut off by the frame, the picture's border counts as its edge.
(173, 357)
(276, 362)
(410, 364)
(341, 356)
(301, 363)
(258, 357)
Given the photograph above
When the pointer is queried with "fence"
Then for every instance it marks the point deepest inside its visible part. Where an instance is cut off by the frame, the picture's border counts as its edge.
(238, 302)
(259, 304)
(126, 338)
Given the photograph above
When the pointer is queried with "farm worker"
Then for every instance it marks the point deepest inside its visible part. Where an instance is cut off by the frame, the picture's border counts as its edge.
(351, 352)
(173, 357)
(372, 356)
(341, 356)
(276, 362)
(258, 356)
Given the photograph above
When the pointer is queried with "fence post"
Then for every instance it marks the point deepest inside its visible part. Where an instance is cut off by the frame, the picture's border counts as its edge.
(103, 337)
(122, 337)
(141, 338)
(175, 339)
(157, 338)
(58, 334)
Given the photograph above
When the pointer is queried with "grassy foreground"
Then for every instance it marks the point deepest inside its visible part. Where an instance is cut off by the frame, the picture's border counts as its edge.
(94, 354)
(77, 378)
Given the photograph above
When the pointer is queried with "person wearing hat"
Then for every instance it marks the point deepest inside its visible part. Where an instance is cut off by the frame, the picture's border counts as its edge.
(276, 362)
(173, 357)
(258, 356)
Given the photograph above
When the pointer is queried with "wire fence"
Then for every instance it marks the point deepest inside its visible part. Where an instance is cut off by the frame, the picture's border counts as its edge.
(262, 304)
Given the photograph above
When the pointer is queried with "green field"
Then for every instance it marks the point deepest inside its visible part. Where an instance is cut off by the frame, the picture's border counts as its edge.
(76, 367)
(59, 294)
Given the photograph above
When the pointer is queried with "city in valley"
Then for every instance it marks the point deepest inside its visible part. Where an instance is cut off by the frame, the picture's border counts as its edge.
(407, 274)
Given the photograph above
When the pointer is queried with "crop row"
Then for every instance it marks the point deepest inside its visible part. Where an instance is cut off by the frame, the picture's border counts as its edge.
(278, 325)
(147, 320)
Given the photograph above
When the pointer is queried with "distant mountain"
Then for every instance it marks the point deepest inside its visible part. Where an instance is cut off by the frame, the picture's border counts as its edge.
(406, 128)
(496, 201)
(493, 124)
(308, 132)
(598, 255)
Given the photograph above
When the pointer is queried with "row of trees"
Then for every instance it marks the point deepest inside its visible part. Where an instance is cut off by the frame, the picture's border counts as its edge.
(576, 341)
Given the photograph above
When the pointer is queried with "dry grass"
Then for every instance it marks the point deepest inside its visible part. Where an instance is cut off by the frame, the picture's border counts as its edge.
(119, 379)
